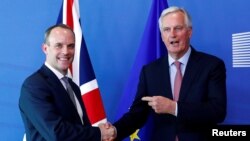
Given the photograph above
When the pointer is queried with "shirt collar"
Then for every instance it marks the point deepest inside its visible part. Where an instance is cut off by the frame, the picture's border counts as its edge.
(56, 72)
(183, 59)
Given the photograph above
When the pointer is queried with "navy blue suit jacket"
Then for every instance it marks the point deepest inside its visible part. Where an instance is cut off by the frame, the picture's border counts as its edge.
(49, 114)
(202, 100)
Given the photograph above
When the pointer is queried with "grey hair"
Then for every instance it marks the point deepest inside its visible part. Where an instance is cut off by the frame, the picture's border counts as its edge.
(173, 9)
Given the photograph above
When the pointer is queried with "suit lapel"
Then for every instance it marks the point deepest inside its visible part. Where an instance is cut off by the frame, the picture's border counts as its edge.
(54, 82)
(166, 78)
(77, 92)
(60, 92)
(192, 69)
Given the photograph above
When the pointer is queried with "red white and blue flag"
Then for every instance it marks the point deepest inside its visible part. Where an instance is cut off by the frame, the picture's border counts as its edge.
(82, 70)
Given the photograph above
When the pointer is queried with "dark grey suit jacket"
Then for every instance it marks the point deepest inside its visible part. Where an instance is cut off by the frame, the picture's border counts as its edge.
(201, 105)
(49, 114)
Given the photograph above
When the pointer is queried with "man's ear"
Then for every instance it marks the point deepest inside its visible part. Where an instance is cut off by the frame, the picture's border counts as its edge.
(44, 48)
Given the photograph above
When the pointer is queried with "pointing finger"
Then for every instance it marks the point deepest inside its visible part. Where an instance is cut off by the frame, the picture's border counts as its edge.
(147, 98)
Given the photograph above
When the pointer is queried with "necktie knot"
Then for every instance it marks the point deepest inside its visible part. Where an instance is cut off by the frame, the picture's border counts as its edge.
(177, 65)
(65, 79)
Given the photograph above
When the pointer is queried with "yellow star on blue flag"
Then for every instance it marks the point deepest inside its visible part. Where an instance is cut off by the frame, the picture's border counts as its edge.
(134, 136)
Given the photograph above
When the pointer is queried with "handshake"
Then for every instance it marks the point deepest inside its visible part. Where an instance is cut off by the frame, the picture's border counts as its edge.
(108, 131)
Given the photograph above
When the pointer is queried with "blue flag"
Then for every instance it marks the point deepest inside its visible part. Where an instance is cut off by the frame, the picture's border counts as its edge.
(150, 49)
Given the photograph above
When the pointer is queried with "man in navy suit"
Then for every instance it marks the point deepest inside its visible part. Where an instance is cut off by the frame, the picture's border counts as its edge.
(46, 108)
(202, 95)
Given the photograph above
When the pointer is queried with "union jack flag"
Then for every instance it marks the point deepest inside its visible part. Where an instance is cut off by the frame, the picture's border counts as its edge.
(81, 69)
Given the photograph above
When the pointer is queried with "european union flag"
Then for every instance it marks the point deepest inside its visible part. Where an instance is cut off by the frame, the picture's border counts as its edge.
(150, 49)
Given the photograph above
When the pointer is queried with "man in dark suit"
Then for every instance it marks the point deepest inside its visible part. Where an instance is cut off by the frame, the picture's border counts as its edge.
(46, 108)
(197, 106)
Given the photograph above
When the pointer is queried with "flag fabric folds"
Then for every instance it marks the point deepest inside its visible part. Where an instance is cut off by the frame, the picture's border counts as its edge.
(81, 69)
(151, 48)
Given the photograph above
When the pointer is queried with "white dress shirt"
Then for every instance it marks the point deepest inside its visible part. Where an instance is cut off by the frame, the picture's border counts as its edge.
(172, 70)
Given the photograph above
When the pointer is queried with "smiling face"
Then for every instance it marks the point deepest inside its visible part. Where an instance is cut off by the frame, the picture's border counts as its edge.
(60, 49)
(176, 34)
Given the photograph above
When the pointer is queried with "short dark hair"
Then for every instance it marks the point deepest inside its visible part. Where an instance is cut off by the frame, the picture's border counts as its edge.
(48, 31)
